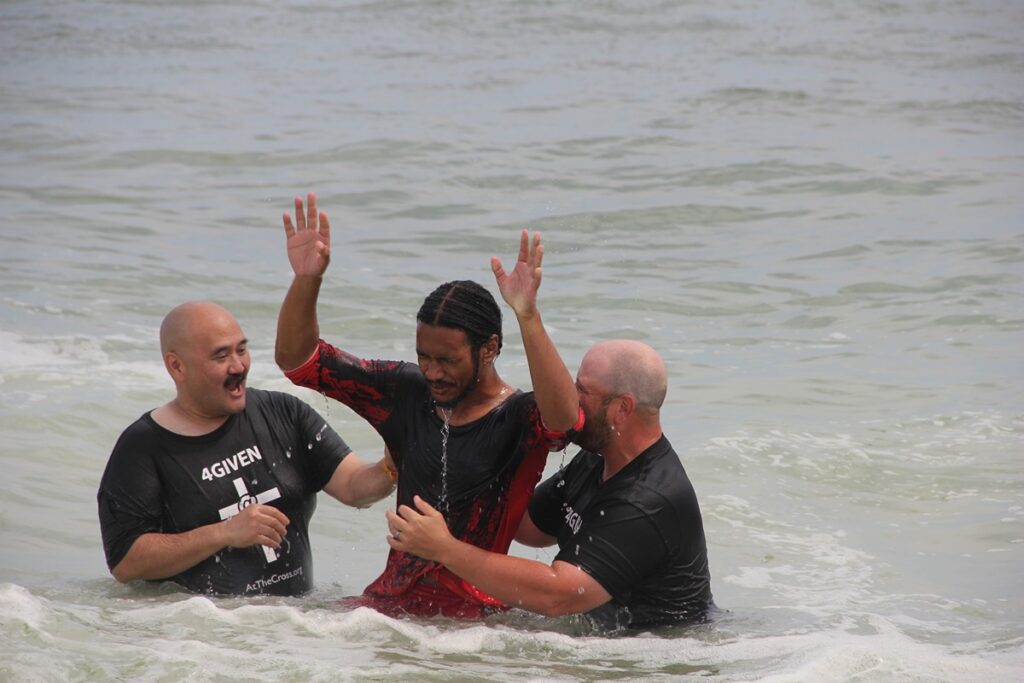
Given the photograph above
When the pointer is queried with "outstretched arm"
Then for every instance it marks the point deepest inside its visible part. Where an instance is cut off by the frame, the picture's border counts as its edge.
(554, 590)
(553, 386)
(159, 556)
(359, 483)
(309, 252)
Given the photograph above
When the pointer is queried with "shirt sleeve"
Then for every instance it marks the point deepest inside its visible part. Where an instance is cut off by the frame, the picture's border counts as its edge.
(324, 447)
(369, 387)
(130, 497)
(546, 504)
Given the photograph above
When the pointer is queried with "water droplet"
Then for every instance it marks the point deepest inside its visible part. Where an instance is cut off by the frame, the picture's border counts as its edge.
(445, 430)
(288, 453)
(602, 513)
(309, 446)
(581, 590)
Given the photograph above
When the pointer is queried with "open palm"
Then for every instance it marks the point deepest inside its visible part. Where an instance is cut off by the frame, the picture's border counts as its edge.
(309, 238)
(519, 287)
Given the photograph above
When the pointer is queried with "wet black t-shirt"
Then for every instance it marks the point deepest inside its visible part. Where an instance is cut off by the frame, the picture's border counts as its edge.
(639, 534)
(479, 475)
(277, 451)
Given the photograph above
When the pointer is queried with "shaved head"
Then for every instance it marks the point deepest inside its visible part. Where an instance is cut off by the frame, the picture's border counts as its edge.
(182, 325)
(624, 366)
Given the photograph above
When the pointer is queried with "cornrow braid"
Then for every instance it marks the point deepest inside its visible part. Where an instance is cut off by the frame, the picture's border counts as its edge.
(463, 305)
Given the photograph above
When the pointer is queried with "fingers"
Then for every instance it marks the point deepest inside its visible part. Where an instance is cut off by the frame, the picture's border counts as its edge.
(300, 219)
(307, 217)
(524, 245)
(257, 524)
(325, 227)
(424, 507)
(311, 214)
(273, 525)
(530, 253)
(497, 269)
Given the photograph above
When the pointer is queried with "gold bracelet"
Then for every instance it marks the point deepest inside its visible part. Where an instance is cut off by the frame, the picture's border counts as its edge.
(389, 470)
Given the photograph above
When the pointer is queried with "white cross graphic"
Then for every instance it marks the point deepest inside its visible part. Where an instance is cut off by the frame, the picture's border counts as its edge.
(245, 499)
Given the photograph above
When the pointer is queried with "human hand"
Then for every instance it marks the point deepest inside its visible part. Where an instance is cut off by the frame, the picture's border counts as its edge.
(309, 238)
(519, 288)
(256, 524)
(421, 532)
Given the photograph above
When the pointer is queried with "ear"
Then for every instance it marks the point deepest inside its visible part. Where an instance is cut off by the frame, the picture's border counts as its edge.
(175, 366)
(489, 350)
(626, 406)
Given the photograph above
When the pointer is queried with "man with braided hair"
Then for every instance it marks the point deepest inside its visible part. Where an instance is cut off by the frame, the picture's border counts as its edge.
(460, 436)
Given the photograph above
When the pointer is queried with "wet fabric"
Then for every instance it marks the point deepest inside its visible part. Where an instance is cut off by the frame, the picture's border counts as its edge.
(278, 451)
(639, 534)
(479, 475)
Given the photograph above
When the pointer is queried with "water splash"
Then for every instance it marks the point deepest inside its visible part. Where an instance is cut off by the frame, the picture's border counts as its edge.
(446, 414)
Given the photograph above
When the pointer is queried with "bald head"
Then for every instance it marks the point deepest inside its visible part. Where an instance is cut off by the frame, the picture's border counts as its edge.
(624, 366)
(184, 325)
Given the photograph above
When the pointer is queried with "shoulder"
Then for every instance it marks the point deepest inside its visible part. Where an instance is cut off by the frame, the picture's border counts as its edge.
(522, 404)
(143, 430)
(134, 450)
(661, 483)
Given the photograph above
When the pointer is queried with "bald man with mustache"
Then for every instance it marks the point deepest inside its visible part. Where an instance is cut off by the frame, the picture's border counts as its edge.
(214, 490)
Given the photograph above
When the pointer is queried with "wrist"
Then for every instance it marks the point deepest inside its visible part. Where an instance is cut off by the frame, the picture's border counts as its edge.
(529, 315)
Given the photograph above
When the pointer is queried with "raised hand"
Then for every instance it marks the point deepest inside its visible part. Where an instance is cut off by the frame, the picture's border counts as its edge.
(309, 238)
(519, 288)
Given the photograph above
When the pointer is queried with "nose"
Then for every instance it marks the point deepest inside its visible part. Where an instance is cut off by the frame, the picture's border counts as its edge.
(238, 363)
(431, 371)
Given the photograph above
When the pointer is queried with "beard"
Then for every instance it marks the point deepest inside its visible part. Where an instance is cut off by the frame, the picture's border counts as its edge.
(449, 405)
(596, 433)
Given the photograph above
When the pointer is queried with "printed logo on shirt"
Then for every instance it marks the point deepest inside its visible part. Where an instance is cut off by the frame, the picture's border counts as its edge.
(260, 584)
(573, 519)
(245, 499)
(229, 465)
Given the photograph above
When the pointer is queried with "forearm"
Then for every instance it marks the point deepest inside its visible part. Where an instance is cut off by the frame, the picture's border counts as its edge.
(371, 483)
(360, 484)
(298, 330)
(528, 584)
(159, 556)
(553, 386)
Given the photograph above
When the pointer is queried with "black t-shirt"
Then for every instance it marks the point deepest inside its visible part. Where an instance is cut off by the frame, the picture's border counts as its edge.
(639, 534)
(479, 475)
(277, 451)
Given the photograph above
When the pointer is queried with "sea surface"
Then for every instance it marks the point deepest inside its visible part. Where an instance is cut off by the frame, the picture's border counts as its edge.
(814, 209)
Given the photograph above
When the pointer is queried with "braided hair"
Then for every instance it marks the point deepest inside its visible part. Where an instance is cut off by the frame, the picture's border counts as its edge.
(463, 305)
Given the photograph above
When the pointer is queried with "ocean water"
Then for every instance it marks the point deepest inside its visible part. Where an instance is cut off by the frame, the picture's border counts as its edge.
(812, 208)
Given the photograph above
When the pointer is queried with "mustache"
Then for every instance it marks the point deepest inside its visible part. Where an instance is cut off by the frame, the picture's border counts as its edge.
(235, 379)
